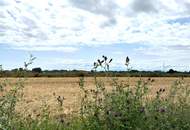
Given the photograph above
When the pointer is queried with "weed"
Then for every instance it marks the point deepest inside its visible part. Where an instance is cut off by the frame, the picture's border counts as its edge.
(129, 108)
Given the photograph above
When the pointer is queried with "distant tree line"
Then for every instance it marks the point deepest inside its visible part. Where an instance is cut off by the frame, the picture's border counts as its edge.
(38, 72)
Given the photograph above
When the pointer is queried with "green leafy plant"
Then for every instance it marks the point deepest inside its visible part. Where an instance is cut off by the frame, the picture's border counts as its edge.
(10, 94)
(129, 108)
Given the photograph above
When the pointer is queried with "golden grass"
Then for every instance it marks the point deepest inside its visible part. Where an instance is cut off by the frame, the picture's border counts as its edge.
(40, 90)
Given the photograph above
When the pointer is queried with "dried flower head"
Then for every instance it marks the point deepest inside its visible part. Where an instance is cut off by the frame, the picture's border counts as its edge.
(60, 100)
(127, 61)
(104, 63)
(110, 60)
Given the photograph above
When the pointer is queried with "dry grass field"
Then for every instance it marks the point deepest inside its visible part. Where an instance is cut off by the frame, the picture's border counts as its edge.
(38, 91)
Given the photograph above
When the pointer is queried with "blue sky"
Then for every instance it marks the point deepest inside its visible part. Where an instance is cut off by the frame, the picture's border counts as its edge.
(72, 34)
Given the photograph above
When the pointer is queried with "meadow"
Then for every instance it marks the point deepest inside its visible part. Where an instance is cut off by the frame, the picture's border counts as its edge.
(96, 103)
(40, 90)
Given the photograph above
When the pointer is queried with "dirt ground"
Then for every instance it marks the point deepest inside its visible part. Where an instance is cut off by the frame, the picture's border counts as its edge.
(41, 91)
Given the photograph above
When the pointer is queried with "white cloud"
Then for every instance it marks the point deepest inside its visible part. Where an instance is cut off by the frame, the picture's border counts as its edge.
(27, 24)
(48, 48)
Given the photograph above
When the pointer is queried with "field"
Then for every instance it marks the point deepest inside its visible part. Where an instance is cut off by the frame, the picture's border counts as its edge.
(100, 103)
(38, 91)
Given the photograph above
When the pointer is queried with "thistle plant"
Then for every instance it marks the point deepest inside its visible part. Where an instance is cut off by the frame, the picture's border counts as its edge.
(127, 62)
(103, 63)
(9, 99)
(129, 108)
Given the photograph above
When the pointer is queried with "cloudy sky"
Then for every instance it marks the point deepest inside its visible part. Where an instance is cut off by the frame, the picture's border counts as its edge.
(71, 34)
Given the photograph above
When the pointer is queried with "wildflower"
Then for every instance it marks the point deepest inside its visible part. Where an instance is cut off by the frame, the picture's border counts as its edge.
(127, 61)
(161, 90)
(151, 80)
(85, 91)
(61, 118)
(100, 100)
(95, 64)
(60, 100)
(99, 62)
(105, 58)
(29, 115)
(162, 110)
(38, 115)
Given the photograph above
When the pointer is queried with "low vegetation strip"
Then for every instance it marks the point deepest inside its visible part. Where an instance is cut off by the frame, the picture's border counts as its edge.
(79, 73)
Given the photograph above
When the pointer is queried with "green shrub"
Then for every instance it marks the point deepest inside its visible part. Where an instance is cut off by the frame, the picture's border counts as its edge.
(8, 100)
(130, 108)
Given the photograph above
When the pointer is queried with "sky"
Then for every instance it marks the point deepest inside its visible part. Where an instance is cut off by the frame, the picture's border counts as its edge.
(72, 34)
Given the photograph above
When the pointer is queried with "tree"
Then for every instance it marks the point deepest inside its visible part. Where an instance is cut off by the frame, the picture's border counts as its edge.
(171, 71)
(37, 70)
(15, 70)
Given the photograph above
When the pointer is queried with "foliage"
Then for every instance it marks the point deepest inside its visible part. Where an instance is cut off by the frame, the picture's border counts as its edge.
(130, 108)
(8, 100)
(100, 73)
(37, 70)
(171, 71)
(10, 94)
